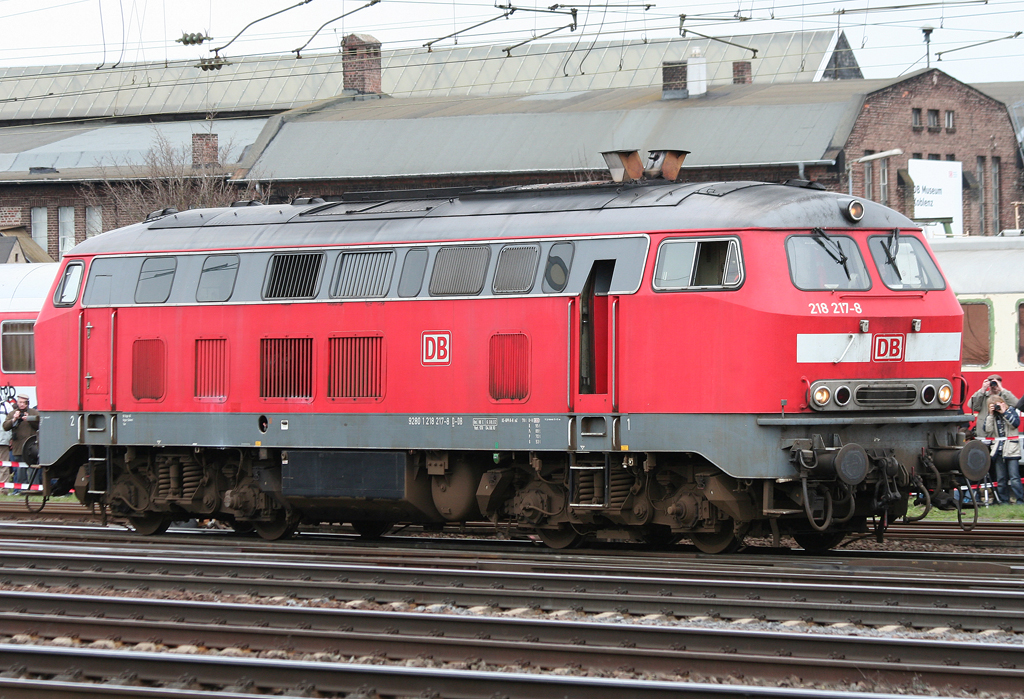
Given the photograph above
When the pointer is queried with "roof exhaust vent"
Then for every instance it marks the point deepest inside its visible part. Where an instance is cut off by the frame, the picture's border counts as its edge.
(665, 163)
(624, 165)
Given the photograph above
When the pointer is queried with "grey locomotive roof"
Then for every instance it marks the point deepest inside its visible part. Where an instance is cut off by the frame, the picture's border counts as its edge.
(732, 125)
(982, 265)
(518, 213)
(274, 83)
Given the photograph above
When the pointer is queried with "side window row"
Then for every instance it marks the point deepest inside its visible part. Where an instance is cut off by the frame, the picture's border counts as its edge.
(458, 271)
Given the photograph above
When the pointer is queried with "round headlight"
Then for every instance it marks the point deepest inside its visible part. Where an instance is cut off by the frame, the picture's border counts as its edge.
(928, 394)
(854, 210)
(822, 395)
(945, 394)
(843, 395)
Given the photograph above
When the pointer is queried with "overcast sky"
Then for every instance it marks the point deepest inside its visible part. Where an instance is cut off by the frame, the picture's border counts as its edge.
(887, 39)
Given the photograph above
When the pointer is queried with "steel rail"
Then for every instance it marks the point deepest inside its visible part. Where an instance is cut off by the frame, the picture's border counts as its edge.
(696, 595)
(268, 675)
(502, 641)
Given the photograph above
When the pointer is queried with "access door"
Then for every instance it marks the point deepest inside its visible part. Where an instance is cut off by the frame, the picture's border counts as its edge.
(596, 351)
(97, 330)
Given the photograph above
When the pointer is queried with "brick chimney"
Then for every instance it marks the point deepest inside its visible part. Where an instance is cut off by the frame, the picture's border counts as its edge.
(673, 80)
(205, 151)
(741, 73)
(361, 63)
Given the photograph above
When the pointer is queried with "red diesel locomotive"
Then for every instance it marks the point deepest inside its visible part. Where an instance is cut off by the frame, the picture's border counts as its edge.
(624, 362)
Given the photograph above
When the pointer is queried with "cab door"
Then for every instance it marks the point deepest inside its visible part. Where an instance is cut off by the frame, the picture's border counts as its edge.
(97, 336)
(596, 343)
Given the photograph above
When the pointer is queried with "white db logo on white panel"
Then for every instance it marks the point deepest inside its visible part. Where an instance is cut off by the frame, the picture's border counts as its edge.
(437, 348)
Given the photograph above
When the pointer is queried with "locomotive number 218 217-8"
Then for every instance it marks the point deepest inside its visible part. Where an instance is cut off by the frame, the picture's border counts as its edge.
(835, 308)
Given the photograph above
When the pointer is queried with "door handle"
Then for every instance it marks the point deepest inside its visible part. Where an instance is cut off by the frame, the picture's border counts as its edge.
(88, 330)
(88, 379)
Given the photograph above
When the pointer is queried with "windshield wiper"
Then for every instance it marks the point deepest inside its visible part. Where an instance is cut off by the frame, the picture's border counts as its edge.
(835, 252)
(891, 248)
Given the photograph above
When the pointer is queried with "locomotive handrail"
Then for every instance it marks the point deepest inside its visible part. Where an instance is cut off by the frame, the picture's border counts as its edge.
(879, 420)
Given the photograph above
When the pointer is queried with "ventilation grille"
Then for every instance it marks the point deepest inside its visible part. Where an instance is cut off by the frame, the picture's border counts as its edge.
(509, 366)
(885, 395)
(294, 276)
(148, 369)
(459, 271)
(286, 367)
(517, 267)
(212, 369)
(356, 368)
(363, 274)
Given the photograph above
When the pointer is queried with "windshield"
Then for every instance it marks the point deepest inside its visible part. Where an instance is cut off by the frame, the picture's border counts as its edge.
(903, 263)
(823, 262)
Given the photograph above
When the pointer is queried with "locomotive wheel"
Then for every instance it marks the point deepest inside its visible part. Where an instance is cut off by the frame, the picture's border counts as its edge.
(281, 527)
(719, 542)
(243, 527)
(150, 523)
(818, 542)
(370, 529)
(564, 537)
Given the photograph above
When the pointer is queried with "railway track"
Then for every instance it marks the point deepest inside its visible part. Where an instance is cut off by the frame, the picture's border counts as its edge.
(259, 631)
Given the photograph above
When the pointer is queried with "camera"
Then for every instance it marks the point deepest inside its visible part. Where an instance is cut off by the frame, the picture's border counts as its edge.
(993, 385)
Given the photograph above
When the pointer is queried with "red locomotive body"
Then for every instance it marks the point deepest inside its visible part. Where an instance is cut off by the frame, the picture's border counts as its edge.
(620, 362)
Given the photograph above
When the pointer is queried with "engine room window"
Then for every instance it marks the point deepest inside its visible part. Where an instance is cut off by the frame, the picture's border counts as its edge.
(688, 264)
(459, 271)
(17, 347)
(977, 336)
(362, 275)
(217, 280)
(294, 276)
(903, 263)
(556, 270)
(413, 268)
(155, 279)
(823, 262)
(70, 282)
(516, 269)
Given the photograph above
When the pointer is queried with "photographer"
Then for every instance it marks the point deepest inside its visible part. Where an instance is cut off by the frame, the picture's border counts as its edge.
(1001, 431)
(993, 386)
(23, 422)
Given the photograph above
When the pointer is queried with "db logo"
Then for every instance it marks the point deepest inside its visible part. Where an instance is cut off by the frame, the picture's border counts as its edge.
(437, 348)
(887, 348)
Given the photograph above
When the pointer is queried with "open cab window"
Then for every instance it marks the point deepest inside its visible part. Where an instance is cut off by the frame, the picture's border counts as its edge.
(69, 285)
(904, 263)
(826, 262)
(698, 264)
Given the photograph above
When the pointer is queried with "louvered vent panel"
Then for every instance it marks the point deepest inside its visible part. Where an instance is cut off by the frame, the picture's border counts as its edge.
(211, 369)
(286, 367)
(356, 368)
(459, 271)
(294, 276)
(516, 269)
(509, 366)
(148, 369)
(363, 274)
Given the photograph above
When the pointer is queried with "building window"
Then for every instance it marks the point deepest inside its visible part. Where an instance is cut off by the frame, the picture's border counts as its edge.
(869, 177)
(996, 223)
(934, 156)
(93, 221)
(39, 227)
(66, 228)
(950, 156)
(933, 118)
(883, 181)
(950, 122)
(915, 117)
(915, 156)
(980, 175)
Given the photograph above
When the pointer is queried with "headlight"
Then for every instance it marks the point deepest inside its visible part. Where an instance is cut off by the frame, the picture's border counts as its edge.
(822, 395)
(843, 395)
(928, 394)
(853, 210)
(945, 394)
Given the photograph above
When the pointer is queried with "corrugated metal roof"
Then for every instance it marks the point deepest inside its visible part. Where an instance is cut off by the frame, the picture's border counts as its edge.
(285, 82)
(732, 125)
(75, 147)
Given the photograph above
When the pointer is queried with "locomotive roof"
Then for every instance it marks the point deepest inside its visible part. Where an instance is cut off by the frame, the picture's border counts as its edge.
(982, 265)
(24, 286)
(522, 212)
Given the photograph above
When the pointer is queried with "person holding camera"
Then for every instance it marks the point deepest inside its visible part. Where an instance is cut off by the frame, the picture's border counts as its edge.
(993, 386)
(1000, 429)
(23, 422)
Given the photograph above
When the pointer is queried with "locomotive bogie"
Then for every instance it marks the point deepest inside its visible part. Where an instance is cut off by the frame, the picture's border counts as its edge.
(569, 363)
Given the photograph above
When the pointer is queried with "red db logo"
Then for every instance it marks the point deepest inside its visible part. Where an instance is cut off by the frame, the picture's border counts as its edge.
(887, 348)
(437, 348)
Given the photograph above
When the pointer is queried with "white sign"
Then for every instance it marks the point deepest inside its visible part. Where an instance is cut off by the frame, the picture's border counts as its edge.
(938, 193)
(437, 348)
